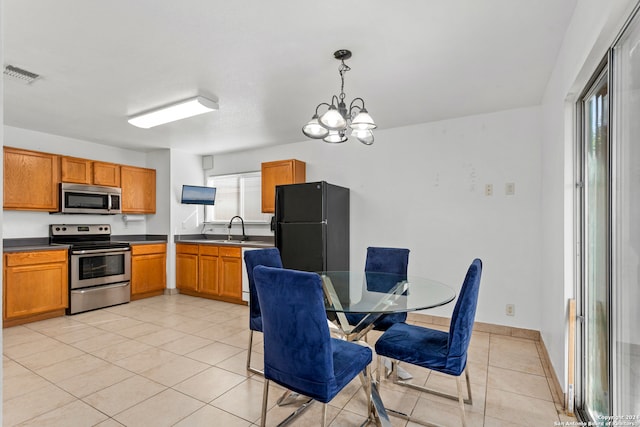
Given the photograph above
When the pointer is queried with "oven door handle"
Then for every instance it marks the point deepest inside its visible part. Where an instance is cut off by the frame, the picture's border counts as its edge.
(100, 288)
(99, 251)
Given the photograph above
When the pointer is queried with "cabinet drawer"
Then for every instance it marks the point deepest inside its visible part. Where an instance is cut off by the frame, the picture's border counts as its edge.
(209, 250)
(38, 257)
(148, 249)
(230, 252)
(184, 248)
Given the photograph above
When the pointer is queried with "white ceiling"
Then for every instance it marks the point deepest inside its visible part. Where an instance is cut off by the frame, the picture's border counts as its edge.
(269, 63)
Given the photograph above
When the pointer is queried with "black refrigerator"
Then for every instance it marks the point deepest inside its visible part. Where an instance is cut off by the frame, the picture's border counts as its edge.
(312, 226)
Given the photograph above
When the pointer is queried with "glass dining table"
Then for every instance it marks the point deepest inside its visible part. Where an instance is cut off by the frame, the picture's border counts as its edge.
(371, 295)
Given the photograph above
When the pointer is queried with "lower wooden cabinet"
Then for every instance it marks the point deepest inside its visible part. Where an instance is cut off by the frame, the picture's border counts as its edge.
(35, 286)
(209, 271)
(148, 270)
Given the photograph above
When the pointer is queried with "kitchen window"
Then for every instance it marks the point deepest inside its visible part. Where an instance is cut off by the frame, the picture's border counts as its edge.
(236, 194)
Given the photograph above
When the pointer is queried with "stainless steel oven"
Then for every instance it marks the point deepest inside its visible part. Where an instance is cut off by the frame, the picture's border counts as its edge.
(93, 267)
(99, 269)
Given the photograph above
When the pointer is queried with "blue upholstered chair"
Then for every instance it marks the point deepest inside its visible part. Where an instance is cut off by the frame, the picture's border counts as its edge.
(384, 260)
(299, 354)
(271, 258)
(437, 350)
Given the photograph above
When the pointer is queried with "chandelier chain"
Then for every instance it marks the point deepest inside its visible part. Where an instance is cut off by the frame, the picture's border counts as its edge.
(343, 70)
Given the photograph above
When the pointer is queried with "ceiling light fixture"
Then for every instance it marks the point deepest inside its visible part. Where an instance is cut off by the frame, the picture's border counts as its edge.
(177, 111)
(332, 126)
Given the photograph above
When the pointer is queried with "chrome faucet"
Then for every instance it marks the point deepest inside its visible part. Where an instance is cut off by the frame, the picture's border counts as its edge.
(244, 236)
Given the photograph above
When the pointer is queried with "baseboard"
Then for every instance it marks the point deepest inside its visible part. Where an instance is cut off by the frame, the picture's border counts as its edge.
(510, 331)
(171, 291)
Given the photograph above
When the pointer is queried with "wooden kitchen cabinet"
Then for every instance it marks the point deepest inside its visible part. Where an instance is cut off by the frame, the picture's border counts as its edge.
(280, 172)
(35, 286)
(138, 190)
(148, 270)
(107, 174)
(230, 276)
(84, 171)
(30, 180)
(209, 271)
(76, 170)
(187, 267)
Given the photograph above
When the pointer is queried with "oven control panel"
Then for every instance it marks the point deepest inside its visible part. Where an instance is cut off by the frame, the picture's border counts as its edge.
(79, 229)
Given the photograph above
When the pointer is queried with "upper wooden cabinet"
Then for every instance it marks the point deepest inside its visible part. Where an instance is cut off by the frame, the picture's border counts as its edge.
(83, 171)
(106, 174)
(75, 170)
(30, 180)
(138, 189)
(280, 172)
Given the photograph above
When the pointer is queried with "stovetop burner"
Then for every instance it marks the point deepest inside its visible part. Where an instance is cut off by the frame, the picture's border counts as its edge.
(84, 236)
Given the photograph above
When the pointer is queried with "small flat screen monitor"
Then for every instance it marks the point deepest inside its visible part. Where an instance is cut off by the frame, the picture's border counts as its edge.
(197, 195)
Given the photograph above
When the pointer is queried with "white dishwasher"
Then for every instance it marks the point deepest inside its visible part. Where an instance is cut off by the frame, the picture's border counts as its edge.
(245, 277)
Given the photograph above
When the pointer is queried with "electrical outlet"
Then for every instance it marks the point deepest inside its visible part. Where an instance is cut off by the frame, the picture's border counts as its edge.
(510, 188)
(488, 190)
(510, 310)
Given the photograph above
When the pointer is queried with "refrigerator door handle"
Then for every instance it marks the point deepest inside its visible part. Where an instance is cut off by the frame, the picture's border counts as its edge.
(324, 221)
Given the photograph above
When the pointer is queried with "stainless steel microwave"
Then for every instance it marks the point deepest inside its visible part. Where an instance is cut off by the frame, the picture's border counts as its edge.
(90, 199)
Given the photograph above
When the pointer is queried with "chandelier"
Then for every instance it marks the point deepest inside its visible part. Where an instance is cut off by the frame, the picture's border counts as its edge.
(333, 125)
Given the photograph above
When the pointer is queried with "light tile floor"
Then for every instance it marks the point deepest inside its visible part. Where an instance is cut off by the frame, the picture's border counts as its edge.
(180, 361)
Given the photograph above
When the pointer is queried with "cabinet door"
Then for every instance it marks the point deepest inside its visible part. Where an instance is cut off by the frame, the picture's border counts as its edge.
(279, 173)
(148, 273)
(187, 267)
(106, 174)
(230, 265)
(32, 285)
(138, 189)
(30, 180)
(208, 274)
(76, 170)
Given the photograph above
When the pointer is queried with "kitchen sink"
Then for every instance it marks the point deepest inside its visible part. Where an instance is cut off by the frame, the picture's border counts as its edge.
(241, 242)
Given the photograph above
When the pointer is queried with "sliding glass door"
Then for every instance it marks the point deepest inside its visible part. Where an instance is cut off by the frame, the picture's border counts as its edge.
(608, 366)
(626, 207)
(596, 272)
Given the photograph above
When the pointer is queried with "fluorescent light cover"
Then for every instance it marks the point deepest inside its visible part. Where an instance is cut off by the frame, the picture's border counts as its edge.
(181, 110)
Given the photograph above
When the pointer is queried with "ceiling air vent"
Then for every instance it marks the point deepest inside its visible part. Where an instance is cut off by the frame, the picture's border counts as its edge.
(18, 73)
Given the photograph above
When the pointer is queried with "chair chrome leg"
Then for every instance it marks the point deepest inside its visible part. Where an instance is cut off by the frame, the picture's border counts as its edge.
(287, 398)
(466, 374)
(324, 415)
(249, 367)
(461, 401)
(396, 380)
(265, 396)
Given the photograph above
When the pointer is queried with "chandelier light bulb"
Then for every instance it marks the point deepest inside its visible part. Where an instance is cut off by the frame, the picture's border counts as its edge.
(333, 120)
(335, 137)
(363, 135)
(314, 130)
(363, 121)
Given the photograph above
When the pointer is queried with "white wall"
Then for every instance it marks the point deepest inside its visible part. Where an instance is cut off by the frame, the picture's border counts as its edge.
(35, 224)
(185, 219)
(422, 187)
(592, 30)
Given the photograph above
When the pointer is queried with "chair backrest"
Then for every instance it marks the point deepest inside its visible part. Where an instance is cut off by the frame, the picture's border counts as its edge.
(462, 319)
(269, 257)
(385, 260)
(297, 345)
